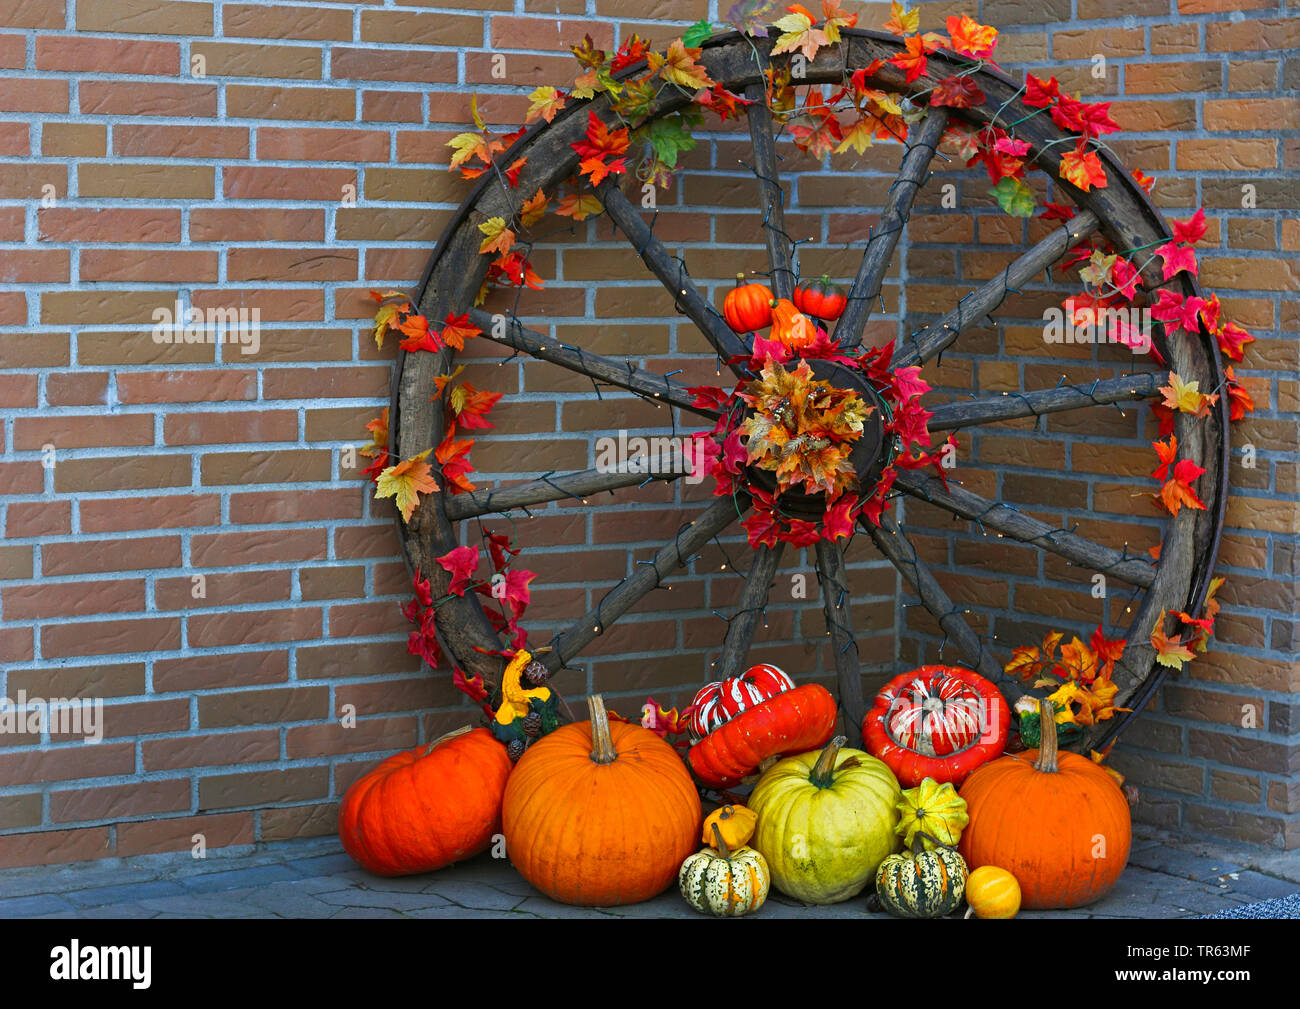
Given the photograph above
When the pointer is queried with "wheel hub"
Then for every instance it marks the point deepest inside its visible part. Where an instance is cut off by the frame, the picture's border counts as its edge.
(870, 453)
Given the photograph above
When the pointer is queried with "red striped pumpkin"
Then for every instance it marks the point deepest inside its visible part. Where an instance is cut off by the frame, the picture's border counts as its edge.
(723, 700)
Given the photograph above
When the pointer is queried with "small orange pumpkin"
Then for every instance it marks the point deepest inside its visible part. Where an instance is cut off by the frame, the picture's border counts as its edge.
(600, 814)
(426, 808)
(748, 307)
(1056, 821)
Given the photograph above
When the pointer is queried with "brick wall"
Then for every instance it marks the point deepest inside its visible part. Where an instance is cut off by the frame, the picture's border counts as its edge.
(171, 462)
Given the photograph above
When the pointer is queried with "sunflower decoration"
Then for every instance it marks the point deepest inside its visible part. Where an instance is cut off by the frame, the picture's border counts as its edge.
(802, 429)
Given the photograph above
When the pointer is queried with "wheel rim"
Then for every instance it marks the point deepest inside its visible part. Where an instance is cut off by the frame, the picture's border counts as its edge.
(1123, 212)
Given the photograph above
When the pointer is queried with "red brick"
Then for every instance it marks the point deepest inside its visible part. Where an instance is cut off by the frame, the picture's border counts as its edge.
(177, 833)
(215, 669)
(186, 386)
(298, 506)
(42, 602)
(165, 796)
(83, 55)
(109, 224)
(38, 518)
(276, 143)
(219, 550)
(238, 588)
(164, 511)
(214, 630)
(19, 94)
(269, 224)
(367, 736)
(86, 556)
(88, 388)
(137, 98)
(226, 427)
(33, 266)
(260, 182)
(48, 847)
(109, 637)
(15, 142)
(153, 140)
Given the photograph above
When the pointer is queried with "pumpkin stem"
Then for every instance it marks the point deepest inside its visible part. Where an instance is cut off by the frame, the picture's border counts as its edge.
(446, 736)
(740, 279)
(823, 772)
(969, 911)
(602, 745)
(1046, 761)
(719, 843)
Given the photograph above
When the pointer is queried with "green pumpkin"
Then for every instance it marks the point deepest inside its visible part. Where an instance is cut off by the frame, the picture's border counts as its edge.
(925, 884)
(825, 822)
(727, 884)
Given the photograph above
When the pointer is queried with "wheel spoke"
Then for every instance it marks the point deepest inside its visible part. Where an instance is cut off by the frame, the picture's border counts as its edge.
(772, 199)
(671, 272)
(895, 545)
(1010, 405)
(924, 139)
(984, 299)
(567, 485)
(740, 632)
(839, 621)
(630, 590)
(595, 366)
(1003, 519)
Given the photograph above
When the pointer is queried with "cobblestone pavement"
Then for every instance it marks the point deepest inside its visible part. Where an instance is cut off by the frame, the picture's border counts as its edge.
(1166, 878)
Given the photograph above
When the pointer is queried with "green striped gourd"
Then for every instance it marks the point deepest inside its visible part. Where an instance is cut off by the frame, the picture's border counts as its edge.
(724, 883)
(922, 884)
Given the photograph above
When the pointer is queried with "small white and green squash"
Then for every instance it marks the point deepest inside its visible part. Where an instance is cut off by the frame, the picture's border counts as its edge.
(723, 882)
(922, 884)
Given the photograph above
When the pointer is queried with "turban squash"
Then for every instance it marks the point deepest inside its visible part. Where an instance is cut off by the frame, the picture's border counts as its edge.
(426, 808)
(937, 722)
(600, 814)
(723, 700)
(1055, 820)
(791, 722)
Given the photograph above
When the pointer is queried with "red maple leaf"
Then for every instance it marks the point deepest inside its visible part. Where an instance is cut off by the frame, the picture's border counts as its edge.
(1177, 491)
(913, 58)
(1038, 93)
(500, 548)
(472, 686)
(601, 143)
(423, 590)
(453, 456)
(1056, 212)
(1239, 400)
(1109, 651)
(462, 562)
(841, 516)
(517, 593)
(1190, 231)
(958, 92)
(1177, 257)
(908, 382)
(457, 329)
(1232, 338)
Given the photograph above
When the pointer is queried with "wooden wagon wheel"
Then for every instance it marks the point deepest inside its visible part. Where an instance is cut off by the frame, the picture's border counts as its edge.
(1121, 211)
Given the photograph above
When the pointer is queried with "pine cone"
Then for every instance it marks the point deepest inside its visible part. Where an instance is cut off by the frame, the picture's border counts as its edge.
(536, 673)
(532, 724)
(515, 749)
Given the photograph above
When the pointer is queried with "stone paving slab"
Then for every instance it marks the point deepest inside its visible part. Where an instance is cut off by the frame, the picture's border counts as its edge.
(1167, 877)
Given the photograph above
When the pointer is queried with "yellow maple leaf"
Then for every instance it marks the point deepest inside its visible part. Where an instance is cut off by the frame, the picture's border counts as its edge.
(470, 145)
(836, 18)
(498, 238)
(860, 135)
(799, 35)
(405, 482)
(902, 22)
(545, 102)
(1187, 396)
(678, 67)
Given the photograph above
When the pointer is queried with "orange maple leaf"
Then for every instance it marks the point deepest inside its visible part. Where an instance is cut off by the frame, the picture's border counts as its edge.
(913, 59)
(1177, 491)
(601, 143)
(1170, 652)
(970, 38)
(533, 209)
(1083, 169)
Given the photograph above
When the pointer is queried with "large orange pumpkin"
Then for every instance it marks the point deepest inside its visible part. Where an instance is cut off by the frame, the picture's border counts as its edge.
(428, 807)
(1056, 821)
(600, 814)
